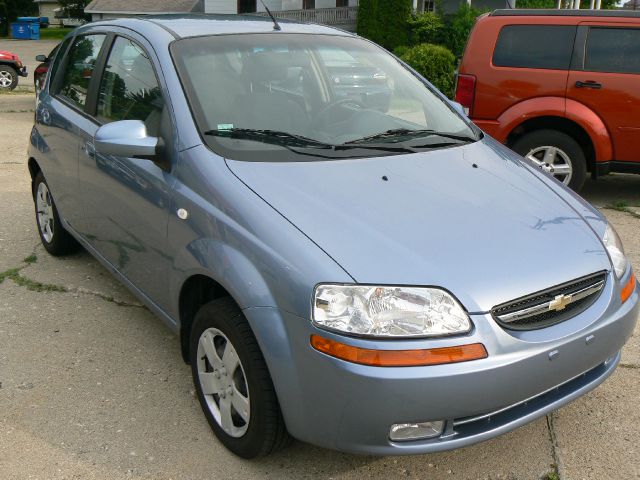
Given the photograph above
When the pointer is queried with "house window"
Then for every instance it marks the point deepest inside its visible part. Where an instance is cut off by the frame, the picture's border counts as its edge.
(342, 3)
(247, 6)
(308, 4)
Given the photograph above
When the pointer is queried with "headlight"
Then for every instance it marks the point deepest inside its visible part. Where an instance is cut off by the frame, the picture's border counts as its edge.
(614, 246)
(388, 311)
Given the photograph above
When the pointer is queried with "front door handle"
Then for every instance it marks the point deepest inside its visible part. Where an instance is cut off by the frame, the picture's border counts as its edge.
(589, 84)
(89, 149)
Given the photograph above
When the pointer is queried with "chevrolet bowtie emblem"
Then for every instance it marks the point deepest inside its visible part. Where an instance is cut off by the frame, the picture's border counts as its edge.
(560, 302)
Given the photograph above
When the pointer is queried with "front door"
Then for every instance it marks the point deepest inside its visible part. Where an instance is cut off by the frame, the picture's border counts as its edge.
(606, 78)
(126, 200)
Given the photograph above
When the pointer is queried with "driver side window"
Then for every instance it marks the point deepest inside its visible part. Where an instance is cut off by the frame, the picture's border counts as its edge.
(129, 89)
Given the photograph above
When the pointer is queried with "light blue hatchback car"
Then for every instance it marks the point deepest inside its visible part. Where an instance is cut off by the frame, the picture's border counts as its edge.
(364, 274)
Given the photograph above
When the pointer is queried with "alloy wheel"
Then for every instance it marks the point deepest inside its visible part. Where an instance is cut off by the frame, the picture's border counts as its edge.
(554, 161)
(6, 79)
(44, 207)
(223, 382)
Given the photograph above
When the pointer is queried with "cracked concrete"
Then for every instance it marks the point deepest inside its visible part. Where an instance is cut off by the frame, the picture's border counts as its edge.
(92, 388)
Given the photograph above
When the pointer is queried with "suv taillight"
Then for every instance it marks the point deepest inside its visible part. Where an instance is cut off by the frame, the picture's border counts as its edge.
(466, 92)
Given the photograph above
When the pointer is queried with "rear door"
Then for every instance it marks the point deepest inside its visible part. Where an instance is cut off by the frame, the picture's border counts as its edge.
(605, 76)
(61, 118)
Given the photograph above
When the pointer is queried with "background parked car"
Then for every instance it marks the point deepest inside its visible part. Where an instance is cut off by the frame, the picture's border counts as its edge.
(11, 68)
(560, 87)
(40, 73)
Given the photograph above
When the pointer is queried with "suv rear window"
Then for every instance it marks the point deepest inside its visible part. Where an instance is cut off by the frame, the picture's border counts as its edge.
(613, 50)
(535, 46)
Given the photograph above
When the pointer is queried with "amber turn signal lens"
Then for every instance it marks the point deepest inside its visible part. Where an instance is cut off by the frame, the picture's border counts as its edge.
(628, 289)
(399, 358)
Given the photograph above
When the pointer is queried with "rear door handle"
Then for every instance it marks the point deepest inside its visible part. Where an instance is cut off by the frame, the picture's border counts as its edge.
(588, 84)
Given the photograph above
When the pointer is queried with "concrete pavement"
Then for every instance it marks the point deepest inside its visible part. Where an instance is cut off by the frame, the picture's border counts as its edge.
(27, 51)
(93, 386)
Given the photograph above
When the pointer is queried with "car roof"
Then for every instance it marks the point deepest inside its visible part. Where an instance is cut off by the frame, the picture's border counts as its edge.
(195, 25)
(564, 13)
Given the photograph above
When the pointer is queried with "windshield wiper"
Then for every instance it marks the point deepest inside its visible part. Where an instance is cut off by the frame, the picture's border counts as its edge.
(289, 140)
(269, 136)
(406, 132)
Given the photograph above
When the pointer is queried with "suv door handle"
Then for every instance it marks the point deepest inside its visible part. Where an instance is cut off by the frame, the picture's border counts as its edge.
(588, 84)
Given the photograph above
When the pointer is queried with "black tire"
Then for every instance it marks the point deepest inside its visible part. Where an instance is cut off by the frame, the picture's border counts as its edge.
(563, 142)
(62, 242)
(266, 432)
(11, 73)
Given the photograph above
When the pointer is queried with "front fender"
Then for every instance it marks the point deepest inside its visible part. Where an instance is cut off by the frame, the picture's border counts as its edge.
(228, 267)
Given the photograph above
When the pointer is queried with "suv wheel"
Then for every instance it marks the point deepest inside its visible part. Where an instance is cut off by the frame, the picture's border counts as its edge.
(556, 153)
(55, 239)
(232, 382)
(8, 77)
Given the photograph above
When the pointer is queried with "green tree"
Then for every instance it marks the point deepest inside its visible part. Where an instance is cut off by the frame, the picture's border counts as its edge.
(12, 9)
(458, 26)
(385, 21)
(75, 8)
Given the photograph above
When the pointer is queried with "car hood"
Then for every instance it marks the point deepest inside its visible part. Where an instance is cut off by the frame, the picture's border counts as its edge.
(472, 219)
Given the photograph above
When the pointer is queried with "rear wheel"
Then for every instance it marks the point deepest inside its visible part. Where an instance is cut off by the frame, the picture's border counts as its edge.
(8, 77)
(55, 239)
(556, 153)
(232, 382)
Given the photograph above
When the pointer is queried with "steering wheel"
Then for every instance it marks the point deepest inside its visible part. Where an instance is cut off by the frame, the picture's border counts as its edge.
(326, 112)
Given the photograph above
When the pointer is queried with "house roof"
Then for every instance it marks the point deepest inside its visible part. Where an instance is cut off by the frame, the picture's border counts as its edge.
(144, 6)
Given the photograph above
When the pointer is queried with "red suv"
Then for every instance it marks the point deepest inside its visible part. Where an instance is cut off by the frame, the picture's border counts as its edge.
(561, 87)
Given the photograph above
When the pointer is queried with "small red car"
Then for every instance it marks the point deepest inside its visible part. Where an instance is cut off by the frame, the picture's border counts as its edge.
(10, 68)
(561, 87)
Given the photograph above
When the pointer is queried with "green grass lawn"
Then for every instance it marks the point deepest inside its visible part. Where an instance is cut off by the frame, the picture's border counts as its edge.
(48, 34)
(54, 33)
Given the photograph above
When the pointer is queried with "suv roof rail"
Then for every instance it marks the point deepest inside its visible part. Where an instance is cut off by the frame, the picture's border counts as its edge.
(564, 13)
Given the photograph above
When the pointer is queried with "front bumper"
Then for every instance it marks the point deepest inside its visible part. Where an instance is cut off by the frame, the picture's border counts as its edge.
(345, 406)
(23, 72)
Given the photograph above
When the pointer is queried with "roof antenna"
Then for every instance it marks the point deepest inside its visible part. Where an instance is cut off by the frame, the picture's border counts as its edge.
(276, 25)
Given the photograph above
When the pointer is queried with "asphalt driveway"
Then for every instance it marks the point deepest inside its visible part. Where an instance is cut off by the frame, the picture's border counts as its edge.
(92, 385)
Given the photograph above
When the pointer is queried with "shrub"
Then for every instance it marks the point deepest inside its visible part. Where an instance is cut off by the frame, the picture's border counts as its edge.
(425, 27)
(434, 62)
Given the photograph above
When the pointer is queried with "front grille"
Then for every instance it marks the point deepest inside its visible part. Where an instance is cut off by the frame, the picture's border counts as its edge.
(551, 306)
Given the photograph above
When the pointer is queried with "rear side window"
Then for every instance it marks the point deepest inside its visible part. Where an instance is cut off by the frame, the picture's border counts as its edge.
(129, 89)
(535, 46)
(58, 52)
(81, 61)
(613, 50)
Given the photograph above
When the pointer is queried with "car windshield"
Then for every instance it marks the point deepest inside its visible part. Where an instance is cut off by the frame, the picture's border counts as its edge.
(290, 97)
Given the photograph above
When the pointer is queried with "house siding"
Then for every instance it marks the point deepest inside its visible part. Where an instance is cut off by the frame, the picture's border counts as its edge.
(48, 10)
(220, 6)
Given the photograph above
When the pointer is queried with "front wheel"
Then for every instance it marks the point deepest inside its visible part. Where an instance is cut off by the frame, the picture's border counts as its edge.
(8, 77)
(556, 153)
(232, 382)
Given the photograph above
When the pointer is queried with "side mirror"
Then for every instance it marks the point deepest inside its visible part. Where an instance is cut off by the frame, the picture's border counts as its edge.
(41, 58)
(458, 108)
(126, 138)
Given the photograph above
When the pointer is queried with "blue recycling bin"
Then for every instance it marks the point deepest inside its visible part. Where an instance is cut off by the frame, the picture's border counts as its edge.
(20, 31)
(25, 31)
